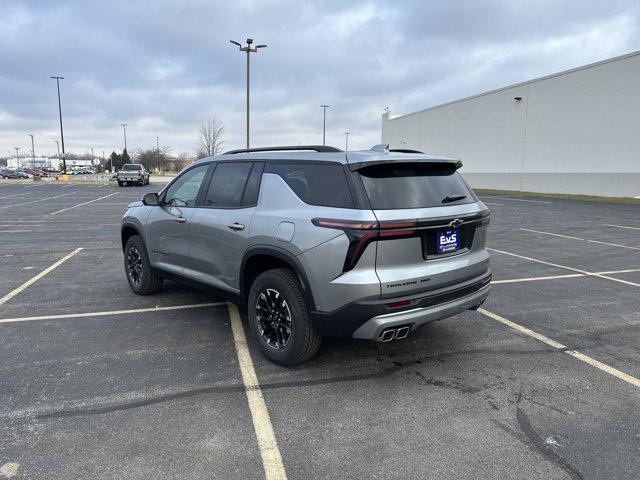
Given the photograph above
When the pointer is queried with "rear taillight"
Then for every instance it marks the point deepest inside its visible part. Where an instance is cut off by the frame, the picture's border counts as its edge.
(139, 173)
(362, 233)
(486, 218)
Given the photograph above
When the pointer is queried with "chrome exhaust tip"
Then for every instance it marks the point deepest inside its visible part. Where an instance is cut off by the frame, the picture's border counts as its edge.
(388, 335)
(402, 333)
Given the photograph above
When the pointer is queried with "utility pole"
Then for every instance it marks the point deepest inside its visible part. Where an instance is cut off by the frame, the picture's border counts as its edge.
(249, 51)
(33, 151)
(324, 122)
(124, 129)
(346, 145)
(64, 162)
(158, 151)
(104, 162)
(17, 156)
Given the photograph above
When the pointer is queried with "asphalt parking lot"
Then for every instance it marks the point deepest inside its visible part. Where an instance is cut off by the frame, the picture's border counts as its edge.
(96, 382)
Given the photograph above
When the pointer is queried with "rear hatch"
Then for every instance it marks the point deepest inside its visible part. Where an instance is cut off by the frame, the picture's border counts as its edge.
(429, 222)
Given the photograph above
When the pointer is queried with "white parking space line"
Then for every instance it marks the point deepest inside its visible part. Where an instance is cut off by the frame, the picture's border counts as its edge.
(557, 345)
(535, 279)
(15, 195)
(15, 231)
(558, 277)
(519, 200)
(83, 203)
(584, 272)
(495, 204)
(113, 312)
(269, 451)
(32, 280)
(36, 201)
(620, 226)
(581, 239)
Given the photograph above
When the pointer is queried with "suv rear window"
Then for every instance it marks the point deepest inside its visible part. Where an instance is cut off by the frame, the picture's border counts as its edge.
(413, 185)
(228, 185)
(316, 184)
(131, 166)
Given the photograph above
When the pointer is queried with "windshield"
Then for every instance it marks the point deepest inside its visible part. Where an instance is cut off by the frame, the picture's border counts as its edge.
(414, 185)
(131, 166)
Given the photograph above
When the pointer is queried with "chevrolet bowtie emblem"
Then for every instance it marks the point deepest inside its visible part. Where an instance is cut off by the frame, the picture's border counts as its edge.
(456, 223)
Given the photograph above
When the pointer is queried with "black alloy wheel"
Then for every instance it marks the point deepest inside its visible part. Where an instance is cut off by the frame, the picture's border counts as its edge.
(274, 318)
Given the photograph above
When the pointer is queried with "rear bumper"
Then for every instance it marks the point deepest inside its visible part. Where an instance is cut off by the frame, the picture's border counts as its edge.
(368, 319)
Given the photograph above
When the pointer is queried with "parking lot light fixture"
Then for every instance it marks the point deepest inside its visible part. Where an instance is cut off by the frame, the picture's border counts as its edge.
(64, 163)
(346, 142)
(249, 50)
(324, 123)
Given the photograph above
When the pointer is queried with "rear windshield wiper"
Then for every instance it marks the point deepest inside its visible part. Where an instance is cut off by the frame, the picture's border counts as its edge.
(453, 198)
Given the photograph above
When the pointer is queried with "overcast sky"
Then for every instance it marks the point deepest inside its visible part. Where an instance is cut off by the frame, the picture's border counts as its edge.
(165, 66)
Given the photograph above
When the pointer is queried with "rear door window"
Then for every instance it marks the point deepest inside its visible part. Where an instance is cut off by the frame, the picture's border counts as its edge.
(228, 185)
(414, 185)
(322, 184)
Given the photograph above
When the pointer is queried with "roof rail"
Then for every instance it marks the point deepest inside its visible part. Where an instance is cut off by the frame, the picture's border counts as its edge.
(404, 150)
(313, 148)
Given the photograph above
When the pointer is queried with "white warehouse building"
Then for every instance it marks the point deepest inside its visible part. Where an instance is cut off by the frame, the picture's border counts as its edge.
(573, 132)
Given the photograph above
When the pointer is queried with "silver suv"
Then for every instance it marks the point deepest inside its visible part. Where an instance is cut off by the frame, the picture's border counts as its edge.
(313, 242)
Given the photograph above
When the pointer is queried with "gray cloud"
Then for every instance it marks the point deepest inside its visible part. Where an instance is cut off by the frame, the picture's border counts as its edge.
(165, 66)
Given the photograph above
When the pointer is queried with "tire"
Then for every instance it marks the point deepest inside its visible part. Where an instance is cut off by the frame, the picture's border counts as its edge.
(138, 269)
(120, 183)
(303, 341)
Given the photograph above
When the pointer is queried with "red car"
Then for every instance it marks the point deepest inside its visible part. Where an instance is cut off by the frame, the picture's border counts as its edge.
(31, 171)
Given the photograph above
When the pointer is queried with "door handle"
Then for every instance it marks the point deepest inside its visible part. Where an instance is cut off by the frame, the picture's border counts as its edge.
(181, 220)
(236, 226)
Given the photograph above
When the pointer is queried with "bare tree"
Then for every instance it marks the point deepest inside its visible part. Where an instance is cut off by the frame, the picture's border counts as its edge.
(209, 139)
(154, 159)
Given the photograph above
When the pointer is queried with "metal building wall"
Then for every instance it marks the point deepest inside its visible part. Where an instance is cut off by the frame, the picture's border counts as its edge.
(573, 132)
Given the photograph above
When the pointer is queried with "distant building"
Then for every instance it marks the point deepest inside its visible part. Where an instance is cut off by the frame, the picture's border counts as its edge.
(576, 131)
(40, 162)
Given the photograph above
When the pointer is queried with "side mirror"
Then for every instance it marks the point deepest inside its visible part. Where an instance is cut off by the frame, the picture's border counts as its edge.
(151, 199)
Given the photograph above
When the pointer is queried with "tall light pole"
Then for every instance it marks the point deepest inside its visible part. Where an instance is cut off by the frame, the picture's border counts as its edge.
(64, 162)
(58, 144)
(346, 142)
(158, 151)
(249, 51)
(17, 157)
(124, 129)
(324, 122)
(33, 151)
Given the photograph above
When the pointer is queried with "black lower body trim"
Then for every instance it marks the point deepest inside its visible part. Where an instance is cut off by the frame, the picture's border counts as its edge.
(232, 297)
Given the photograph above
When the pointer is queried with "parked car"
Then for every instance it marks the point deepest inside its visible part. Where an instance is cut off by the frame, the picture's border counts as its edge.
(314, 242)
(9, 173)
(31, 172)
(132, 173)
